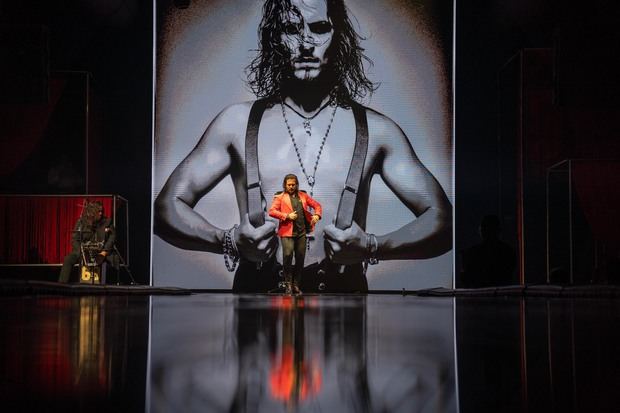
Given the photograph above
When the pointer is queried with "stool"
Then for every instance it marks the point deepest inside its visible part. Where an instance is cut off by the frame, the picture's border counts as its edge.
(93, 274)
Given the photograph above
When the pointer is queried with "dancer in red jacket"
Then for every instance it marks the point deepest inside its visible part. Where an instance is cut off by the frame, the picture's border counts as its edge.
(291, 208)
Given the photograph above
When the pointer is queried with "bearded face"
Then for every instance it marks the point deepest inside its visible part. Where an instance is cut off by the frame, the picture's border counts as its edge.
(93, 212)
(307, 36)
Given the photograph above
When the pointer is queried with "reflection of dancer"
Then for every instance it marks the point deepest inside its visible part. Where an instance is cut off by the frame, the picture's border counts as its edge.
(308, 75)
(92, 226)
(291, 209)
(313, 354)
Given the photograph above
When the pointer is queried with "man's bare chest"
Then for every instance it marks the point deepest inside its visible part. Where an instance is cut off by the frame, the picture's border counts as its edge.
(321, 153)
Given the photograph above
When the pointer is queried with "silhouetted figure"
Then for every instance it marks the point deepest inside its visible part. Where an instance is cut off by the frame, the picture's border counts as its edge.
(613, 269)
(559, 276)
(490, 263)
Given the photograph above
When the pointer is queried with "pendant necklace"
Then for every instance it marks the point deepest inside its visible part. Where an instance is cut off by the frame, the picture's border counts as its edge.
(306, 119)
(308, 129)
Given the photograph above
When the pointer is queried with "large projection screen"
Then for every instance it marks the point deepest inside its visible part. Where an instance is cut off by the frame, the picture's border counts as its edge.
(202, 53)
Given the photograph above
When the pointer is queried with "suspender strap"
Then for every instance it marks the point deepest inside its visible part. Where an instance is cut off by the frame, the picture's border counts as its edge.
(344, 216)
(255, 206)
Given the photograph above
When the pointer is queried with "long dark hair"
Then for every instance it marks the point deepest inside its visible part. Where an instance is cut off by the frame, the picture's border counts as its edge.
(90, 213)
(287, 177)
(269, 68)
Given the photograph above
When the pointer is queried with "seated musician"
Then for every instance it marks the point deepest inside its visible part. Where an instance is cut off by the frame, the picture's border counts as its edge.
(92, 227)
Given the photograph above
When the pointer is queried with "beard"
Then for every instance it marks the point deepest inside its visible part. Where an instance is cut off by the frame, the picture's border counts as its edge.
(311, 88)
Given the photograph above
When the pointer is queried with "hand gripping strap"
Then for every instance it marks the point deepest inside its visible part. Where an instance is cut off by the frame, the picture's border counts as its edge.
(344, 216)
(255, 206)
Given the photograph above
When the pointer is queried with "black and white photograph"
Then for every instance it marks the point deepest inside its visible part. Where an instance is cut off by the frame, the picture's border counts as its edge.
(353, 99)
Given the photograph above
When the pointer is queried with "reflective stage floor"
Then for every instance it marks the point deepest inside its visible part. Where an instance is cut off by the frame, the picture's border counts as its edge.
(331, 353)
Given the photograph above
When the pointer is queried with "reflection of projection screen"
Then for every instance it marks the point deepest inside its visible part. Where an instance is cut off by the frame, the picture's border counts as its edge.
(202, 54)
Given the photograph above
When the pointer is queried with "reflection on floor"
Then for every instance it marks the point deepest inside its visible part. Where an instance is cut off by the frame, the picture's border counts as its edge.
(379, 353)
(538, 354)
(314, 353)
(83, 353)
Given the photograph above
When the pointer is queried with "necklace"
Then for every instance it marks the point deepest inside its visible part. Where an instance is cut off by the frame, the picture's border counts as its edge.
(307, 119)
(309, 178)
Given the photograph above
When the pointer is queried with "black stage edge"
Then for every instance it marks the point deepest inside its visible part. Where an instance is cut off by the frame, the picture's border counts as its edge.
(31, 287)
(581, 291)
(26, 287)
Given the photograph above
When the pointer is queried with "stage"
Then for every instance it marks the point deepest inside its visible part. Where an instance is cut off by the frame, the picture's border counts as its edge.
(136, 348)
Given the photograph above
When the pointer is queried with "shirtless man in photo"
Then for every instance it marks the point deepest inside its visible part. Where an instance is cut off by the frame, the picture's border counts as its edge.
(308, 77)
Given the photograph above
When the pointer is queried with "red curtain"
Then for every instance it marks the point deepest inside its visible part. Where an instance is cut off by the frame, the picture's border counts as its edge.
(37, 229)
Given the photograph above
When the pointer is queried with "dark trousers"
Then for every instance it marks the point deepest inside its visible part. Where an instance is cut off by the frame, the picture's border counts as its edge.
(294, 246)
(70, 260)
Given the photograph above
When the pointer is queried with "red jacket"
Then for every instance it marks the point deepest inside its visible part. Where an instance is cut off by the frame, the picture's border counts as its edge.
(281, 207)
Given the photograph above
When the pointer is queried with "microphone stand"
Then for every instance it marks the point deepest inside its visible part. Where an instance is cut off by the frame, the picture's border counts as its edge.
(122, 262)
(118, 254)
